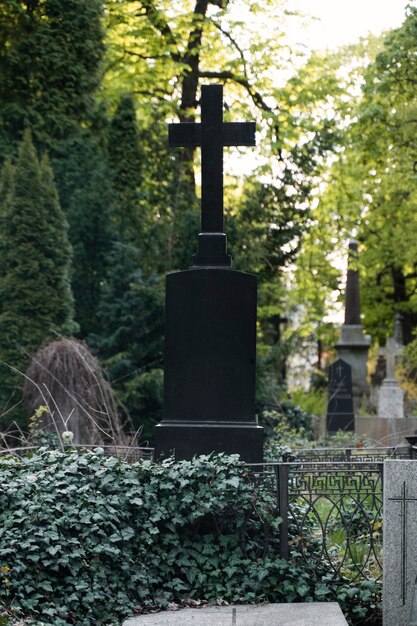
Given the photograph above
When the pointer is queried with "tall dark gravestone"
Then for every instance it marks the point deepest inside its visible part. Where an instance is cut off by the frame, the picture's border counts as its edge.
(210, 327)
(340, 397)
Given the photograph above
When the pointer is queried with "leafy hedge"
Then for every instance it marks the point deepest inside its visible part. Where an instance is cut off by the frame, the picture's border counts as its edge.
(86, 538)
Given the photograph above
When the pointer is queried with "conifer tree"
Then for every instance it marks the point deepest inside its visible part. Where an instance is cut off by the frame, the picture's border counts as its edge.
(34, 280)
(86, 197)
(50, 66)
(126, 160)
(6, 178)
(131, 315)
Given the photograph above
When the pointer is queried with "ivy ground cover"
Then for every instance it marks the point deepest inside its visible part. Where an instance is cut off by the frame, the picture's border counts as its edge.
(87, 539)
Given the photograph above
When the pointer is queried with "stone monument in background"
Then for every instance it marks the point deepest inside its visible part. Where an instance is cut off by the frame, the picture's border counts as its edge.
(390, 395)
(210, 328)
(353, 345)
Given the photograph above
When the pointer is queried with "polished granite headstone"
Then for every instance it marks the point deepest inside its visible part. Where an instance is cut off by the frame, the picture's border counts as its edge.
(399, 592)
(210, 329)
(340, 398)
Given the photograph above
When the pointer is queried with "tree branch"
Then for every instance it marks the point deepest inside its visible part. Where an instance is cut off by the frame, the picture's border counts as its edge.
(234, 44)
(145, 57)
(160, 24)
(240, 80)
(161, 93)
(192, 59)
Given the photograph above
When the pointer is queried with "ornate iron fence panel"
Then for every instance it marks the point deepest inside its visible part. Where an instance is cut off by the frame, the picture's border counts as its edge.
(359, 455)
(331, 515)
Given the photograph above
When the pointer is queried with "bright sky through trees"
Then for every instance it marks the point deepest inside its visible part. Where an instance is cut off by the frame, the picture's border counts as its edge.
(336, 23)
(340, 22)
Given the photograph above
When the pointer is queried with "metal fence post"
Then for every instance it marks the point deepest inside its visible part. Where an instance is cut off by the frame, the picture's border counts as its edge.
(282, 479)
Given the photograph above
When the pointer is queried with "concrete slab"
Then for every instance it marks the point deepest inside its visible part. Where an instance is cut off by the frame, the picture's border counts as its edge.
(308, 614)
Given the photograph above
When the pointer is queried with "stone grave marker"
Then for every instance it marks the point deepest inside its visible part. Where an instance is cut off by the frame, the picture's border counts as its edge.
(400, 542)
(391, 396)
(210, 328)
(340, 397)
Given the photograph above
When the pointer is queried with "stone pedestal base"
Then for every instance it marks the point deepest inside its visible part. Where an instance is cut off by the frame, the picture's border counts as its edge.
(390, 400)
(187, 439)
(353, 347)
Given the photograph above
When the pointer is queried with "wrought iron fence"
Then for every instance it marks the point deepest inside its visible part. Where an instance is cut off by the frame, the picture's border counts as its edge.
(131, 454)
(360, 455)
(331, 514)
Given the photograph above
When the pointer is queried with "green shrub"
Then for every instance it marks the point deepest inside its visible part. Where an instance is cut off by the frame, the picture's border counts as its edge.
(344, 439)
(313, 401)
(85, 538)
(297, 417)
(290, 426)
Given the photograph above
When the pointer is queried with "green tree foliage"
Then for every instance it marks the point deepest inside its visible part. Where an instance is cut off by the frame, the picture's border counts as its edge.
(387, 125)
(168, 206)
(126, 164)
(131, 336)
(86, 196)
(118, 181)
(6, 181)
(266, 233)
(316, 282)
(371, 192)
(35, 293)
(268, 227)
(50, 68)
(51, 54)
(164, 53)
(155, 222)
(152, 208)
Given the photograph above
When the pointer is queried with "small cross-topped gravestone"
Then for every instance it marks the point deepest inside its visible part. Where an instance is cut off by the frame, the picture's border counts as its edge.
(391, 396)
(210, 329)
(340, 398)
(391, 352)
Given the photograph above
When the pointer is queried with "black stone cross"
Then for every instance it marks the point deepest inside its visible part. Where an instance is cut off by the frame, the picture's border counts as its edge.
(210, 318)
(404, 500)
(212, 134)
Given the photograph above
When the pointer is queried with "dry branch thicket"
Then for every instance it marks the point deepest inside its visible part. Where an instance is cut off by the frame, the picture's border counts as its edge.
(67, 379)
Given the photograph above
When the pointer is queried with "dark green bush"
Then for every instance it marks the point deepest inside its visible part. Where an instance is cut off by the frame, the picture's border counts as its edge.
(297, 418)
(289, 416)
(85, 538)
(285, 431)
